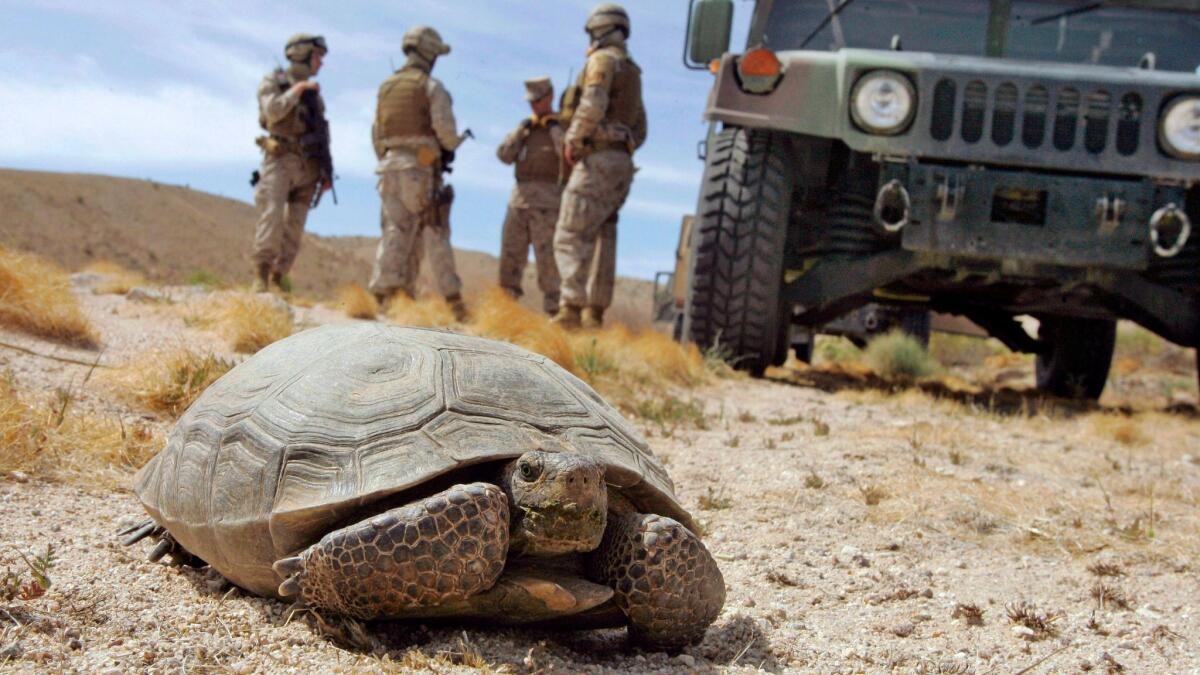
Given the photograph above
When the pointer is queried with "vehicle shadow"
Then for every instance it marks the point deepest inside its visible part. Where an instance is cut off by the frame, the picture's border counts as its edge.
(1000, 400)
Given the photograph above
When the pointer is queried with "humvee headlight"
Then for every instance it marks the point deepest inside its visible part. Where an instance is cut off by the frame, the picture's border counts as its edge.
(883, 102)
(1180, 127)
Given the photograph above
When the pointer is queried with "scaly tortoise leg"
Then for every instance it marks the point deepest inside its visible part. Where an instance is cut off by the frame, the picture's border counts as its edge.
(442, 549)
(665, 580)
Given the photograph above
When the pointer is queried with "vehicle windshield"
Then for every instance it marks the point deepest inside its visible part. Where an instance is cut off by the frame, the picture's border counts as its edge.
(1065, 31)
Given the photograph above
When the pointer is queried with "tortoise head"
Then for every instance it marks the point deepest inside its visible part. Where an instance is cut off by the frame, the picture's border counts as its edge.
(558, 502)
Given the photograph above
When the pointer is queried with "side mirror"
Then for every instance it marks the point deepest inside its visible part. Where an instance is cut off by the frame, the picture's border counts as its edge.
(709, 25)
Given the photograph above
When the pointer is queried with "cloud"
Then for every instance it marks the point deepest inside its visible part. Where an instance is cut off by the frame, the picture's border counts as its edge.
(171, 123)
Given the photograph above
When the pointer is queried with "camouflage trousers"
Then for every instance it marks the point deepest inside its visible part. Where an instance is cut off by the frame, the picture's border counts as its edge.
(411, 218)
(524, 226)
(585, 239)
(285, 189)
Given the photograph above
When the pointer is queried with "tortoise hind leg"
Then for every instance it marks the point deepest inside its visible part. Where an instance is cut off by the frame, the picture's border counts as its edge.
(442, 549)
(665, 580)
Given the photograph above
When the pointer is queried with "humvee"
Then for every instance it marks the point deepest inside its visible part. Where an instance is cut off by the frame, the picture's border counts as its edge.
(994, 159)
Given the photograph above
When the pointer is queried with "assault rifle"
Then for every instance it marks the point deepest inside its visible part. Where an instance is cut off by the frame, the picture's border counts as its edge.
(314, 144)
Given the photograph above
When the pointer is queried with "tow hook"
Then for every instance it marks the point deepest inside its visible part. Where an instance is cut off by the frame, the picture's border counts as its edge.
(892, 206)
(1169, 230)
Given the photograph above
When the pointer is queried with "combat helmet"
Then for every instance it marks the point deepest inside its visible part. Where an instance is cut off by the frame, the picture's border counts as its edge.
(425, 41)
(607, 17)
(299, 47)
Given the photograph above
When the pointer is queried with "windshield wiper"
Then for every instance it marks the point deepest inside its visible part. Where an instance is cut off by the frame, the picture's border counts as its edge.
(1082, 9)
(825, 22)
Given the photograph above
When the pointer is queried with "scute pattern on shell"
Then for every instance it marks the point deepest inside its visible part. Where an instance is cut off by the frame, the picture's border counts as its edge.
(316, 427)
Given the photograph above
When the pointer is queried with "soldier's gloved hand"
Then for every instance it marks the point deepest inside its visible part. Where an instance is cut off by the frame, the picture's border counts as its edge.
(306, 85)
(526, 124)
(447, 159)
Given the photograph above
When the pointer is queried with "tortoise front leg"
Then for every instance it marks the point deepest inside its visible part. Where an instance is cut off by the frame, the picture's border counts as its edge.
(665, 580)
(442, 549)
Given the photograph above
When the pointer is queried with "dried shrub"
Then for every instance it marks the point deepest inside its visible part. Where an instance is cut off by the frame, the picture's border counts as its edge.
(715, 501)
(248, 321)
(971, 614)
(898, 356)
(1103, 569)
(1109, 595)
(1043, 624)
(356, 302)
(114, 278)
(428, 312)
(168, 382)
(54, 442)
(36, 298)
(500, 317)
(873, 494)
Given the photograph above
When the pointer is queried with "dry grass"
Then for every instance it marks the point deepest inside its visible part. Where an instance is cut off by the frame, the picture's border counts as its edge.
(428, 312)
(52, 442)
(1123, 430)
(500, 317)
(35, 298)
(114, 278)
(167, 382)
(356, 302)
(248, 321)
(1042, 624)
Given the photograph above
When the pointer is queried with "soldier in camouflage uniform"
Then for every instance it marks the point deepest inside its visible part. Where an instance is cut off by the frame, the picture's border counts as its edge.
(415, 136)
(606, 123)
(287, 179)
(535, 147)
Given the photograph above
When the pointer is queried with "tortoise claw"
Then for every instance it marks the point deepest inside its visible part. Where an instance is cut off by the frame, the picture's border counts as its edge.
(163, 548)
(289, 588)
(139, 532)
(288, 567)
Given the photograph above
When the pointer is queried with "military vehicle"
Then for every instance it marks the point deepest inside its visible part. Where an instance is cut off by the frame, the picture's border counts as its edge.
(995, 159)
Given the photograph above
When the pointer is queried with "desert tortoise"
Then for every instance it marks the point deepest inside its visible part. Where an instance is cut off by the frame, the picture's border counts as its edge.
(374, 471)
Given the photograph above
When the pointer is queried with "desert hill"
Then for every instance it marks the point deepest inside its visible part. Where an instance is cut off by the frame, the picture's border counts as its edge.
(171, 233)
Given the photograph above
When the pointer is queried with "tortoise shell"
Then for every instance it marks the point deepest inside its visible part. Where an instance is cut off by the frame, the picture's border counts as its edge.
(334, 424)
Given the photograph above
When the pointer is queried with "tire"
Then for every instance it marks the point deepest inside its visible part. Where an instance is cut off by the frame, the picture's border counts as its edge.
(735, 287)
(1076, 356)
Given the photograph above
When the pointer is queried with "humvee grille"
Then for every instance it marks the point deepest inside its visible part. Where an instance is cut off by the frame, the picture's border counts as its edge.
(997, 111)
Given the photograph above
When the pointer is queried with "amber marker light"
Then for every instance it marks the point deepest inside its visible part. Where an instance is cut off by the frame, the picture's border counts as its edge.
(759, 71)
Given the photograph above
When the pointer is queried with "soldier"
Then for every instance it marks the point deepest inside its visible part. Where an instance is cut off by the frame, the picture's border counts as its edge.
(535, 146)
(288, 179)
(605, 124)
(415, 136)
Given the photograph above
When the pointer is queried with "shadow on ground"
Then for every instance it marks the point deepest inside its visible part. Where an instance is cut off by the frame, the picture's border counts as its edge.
(998, 400)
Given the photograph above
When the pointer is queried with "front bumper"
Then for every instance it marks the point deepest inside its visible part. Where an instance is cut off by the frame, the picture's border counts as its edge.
(1016, 216)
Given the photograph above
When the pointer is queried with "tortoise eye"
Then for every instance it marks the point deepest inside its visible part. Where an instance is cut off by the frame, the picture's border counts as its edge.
(529, 470)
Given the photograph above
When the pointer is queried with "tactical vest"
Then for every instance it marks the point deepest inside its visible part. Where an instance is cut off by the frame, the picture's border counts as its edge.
(404, 105)
(538, 161)
(624, 96)
(290, 125)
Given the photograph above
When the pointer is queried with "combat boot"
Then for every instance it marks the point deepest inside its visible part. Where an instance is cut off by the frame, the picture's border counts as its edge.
(263, 281)
(567, 317)
(458, 307)
(593, 317)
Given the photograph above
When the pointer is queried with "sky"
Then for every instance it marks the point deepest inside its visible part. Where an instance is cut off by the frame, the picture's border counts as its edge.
(166, 91)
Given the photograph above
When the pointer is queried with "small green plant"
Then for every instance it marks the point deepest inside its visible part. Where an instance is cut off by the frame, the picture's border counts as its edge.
(593, 361)
(820, 428)
(812, 481)
(203, 278)
(733, 441)
(836, 349)
(785, 421)
(898, 356)
(747, 417)
(14, 585)
(670, 412)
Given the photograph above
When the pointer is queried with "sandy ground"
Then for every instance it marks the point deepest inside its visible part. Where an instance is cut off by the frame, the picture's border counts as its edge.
(849, 525)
